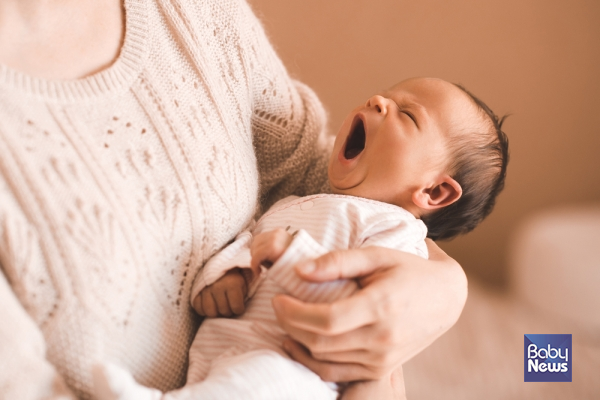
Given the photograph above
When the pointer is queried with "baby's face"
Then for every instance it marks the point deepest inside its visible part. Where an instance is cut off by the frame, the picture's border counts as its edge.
(397, 142)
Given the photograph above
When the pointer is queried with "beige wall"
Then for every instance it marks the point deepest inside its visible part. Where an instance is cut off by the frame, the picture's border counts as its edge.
(538, 60)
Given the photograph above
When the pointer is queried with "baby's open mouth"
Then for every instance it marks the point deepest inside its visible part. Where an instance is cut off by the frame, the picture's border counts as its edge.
(355, 143)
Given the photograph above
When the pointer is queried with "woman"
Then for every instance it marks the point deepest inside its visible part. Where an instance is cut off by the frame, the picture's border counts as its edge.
(135, 141)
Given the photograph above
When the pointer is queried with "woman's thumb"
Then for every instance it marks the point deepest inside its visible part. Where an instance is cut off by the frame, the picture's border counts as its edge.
(341, 264)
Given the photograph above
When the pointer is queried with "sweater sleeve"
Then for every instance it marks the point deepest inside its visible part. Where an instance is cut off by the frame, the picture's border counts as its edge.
(288, 123)
(25, 373)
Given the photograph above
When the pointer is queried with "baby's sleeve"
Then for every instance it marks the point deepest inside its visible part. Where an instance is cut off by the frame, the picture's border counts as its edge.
(304, 247)
(235, 255)
(402, 234)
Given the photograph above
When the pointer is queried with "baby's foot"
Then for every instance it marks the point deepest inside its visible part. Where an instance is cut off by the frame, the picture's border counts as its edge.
(115, 383)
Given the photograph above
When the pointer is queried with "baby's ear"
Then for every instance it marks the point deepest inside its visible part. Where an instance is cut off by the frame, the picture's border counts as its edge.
(442, 193)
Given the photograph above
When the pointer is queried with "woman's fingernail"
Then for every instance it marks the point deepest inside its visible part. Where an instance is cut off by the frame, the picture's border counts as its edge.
(307, 267)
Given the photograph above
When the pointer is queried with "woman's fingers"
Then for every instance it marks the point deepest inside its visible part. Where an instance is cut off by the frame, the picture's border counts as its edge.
(390, 387)
(365, 307)
(329, 371)
(344, 357)
(317, 343)
(379, 363)
(352, 263)
(371, 345)
(325, 319)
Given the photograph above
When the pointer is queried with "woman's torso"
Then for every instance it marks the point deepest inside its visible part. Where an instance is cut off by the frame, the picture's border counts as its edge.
(117, 187)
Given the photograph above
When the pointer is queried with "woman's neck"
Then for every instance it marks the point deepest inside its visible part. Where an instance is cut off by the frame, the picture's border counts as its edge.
(60, 39)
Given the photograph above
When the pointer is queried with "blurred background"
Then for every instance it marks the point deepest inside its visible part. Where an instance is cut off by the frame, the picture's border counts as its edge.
(534, 264)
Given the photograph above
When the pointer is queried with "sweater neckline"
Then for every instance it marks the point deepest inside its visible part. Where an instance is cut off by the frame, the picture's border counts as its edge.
(119, 75)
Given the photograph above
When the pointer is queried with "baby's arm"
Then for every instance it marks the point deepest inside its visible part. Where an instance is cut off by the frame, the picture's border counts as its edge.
(267, 247)
(284, 252)
(406, 235)
(222, 286)
(225, 297)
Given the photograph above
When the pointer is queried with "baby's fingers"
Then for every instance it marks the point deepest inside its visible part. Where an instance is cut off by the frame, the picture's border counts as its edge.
(235, 298)
(267, 247)
(222, 304)
(197, 304)
(209, 307)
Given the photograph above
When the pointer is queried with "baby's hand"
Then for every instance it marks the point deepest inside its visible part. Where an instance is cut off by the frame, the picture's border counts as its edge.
(223, 298)
(267, 247)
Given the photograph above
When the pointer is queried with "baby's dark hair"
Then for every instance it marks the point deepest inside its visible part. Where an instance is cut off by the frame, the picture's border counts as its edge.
(479, 166)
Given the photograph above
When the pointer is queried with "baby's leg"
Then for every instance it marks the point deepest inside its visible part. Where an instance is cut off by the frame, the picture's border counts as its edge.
(256, 375)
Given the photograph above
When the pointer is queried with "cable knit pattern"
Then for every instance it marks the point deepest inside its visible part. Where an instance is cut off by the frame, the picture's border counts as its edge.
(115, 189)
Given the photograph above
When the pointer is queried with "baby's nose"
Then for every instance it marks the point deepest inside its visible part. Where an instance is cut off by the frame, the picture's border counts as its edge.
(379, 103)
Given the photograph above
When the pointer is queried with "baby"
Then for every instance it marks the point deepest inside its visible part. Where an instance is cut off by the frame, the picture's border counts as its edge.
(424, 158)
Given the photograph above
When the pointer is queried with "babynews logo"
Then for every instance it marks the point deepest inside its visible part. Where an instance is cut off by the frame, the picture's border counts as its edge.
(548, 358)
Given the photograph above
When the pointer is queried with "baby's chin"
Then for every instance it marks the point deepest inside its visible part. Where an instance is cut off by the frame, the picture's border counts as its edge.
(335, 190)
(352, 191)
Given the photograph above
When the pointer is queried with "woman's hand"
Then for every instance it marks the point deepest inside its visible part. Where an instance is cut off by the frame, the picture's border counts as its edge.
(387, 388)
(404, 304)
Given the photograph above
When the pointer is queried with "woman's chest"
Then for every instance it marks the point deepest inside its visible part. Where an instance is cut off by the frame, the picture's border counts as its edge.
(129, 189)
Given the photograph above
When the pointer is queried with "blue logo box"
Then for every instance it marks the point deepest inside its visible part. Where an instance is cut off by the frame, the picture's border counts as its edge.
(548, 358)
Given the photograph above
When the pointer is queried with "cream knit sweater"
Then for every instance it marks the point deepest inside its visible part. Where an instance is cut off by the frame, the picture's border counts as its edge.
(115, 189)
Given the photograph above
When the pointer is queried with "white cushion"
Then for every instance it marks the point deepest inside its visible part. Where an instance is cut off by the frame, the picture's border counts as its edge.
(555, 265)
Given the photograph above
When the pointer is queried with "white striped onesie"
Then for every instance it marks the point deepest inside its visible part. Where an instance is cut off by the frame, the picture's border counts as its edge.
(241, 357)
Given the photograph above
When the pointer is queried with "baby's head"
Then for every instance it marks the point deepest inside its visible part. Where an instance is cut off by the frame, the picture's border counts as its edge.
(428, 146)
